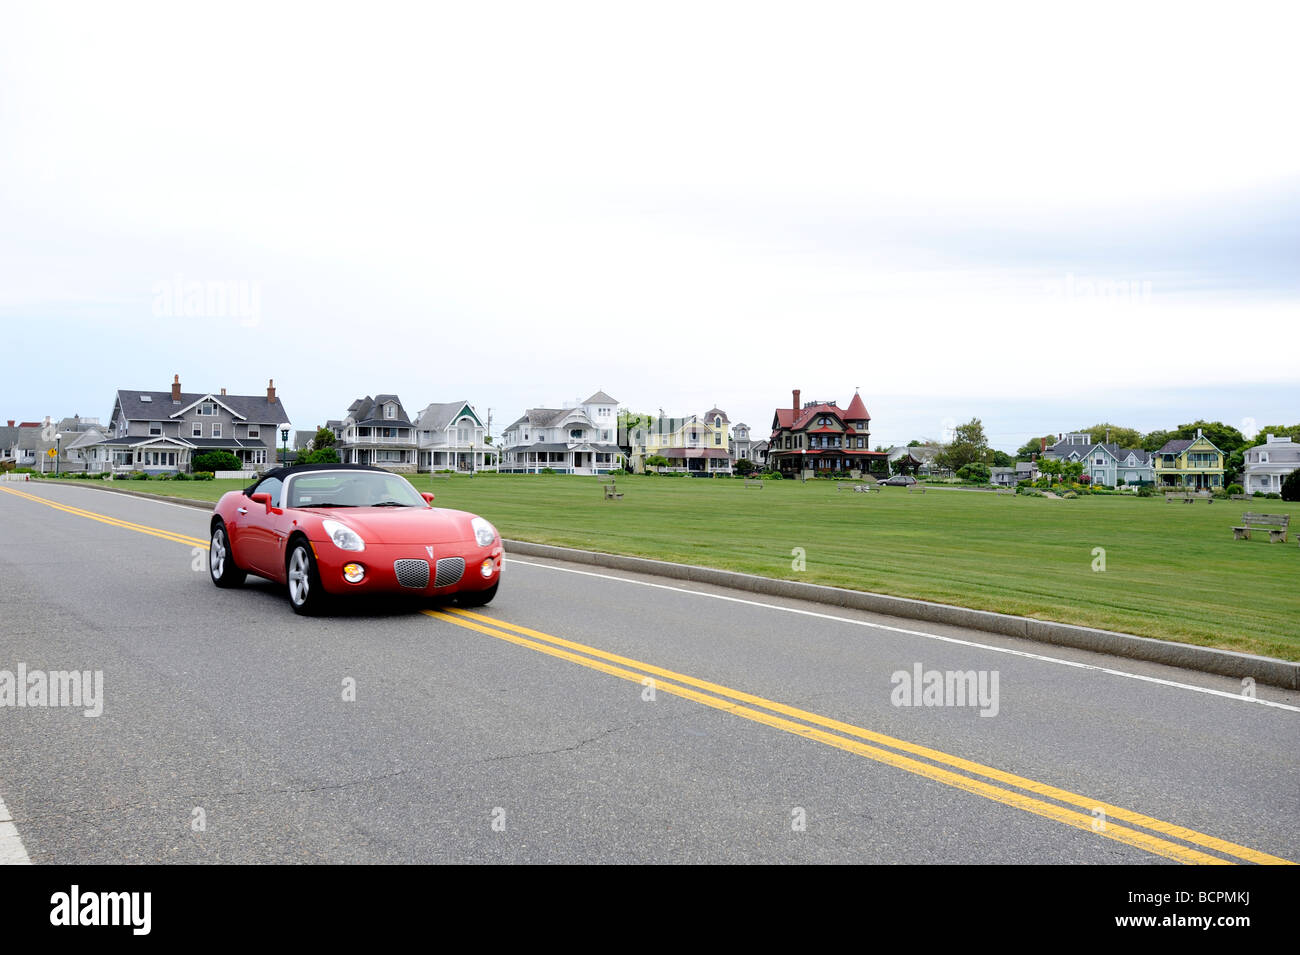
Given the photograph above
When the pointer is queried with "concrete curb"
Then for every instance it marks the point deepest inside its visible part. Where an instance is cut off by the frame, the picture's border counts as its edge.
(1266, 670)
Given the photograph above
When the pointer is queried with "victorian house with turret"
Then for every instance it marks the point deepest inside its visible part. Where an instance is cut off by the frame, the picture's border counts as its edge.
(821, 437)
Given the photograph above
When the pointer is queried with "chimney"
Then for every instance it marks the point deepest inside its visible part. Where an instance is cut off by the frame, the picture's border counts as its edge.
(176, 387)
(223, 392)
(1042, 445)
(11, 422)
(270, 390)
(796, 401)
(1198, 432)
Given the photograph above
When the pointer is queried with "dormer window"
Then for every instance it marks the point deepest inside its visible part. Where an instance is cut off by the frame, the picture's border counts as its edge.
(390, 411)
(208, 408)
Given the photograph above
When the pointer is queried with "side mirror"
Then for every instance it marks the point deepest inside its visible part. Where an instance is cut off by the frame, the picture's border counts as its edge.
(263, 499)
(427, 496)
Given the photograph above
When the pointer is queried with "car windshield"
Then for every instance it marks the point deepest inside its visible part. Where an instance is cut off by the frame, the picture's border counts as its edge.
(352, 489)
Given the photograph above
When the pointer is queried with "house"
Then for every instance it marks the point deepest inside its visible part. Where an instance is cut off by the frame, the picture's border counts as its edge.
(9, 442)
(1268, 464)
(1189, 463)
(451, 436)
(577, 439)
(740, 445)
(917, 459)
(822, 436)
(758, 453)
(1070, 447)
(1003, 477)
(162, 431)
(1026, 471)
(697, 445)
(376, 431)
(1109, 464)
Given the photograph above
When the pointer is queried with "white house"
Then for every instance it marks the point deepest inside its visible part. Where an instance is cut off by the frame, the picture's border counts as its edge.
(577, 439)
(376, 431)
(1268, 464)
(451, 436)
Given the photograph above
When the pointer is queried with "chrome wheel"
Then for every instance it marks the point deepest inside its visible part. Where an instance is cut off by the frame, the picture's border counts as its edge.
(299, 577)
(221, 560)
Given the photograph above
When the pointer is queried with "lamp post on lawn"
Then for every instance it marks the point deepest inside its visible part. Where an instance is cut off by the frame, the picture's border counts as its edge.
(284, 440)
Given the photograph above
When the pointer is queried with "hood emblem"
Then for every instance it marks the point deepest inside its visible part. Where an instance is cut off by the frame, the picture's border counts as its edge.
(429, 548)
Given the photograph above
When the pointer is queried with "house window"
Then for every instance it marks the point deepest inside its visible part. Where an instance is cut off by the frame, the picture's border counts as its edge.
(155, 427)
(208, 409)
(717, 439)
(1263, 457)
(196, 429)
(575, 433)
(390, 411)
(254, 431)
(216, 429)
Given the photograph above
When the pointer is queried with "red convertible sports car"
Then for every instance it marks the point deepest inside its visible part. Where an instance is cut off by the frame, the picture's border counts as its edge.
(332, 529)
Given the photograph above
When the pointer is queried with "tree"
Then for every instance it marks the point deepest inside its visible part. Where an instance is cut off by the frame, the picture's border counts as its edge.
(1050, 467)
(1071, 470)
(320, 456)
(1124, 437)
(968, 445)
(656, 461)
(975, 471)
(1000, 459)
(324, 439)
(1034, 446)
(745, 466)
(903, 465)
(1155, 440)
(1291, 486)
(1223, 436)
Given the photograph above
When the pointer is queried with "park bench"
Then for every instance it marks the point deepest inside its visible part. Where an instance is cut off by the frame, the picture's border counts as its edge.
(1187, 497)
(611, 492)
(1239, 497)
(1005, 490)
(756, 483)
(866, 488)
(1276, 524)
(915, 487)
(443, 475)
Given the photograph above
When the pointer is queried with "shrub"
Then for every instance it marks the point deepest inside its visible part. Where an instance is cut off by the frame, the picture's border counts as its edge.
(618, 472)
(1258, 494)
(1235, 489)
(216, 461)
(203, 475)
(546, 471)
(182, 476)
(1273, 496)
(1145, 491)
(1291, 486)
(773, 476)
(1070, 495)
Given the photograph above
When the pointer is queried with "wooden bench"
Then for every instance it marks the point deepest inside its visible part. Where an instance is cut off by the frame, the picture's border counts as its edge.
(1187, 497)
(612, 493)
(755, 483)
(442, 475)
(1005, 490)
(1276, 524)
(915, 487)
(1238, 497)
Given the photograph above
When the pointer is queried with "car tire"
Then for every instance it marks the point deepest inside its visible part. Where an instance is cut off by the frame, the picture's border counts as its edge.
(306, 595)
(477, 598)
(221, 559)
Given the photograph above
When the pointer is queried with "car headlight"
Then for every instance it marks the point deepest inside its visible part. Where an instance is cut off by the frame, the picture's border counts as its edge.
(344, 537)
(484, 533)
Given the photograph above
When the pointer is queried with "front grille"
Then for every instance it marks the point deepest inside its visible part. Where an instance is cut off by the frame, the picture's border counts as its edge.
(412, 573)
(450, 570)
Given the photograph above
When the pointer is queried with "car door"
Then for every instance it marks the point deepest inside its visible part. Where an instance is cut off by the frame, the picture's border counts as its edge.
(256, 543)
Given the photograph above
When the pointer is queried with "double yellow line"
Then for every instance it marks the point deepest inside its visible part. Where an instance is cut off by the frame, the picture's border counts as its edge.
(973, 777)
(113, 521)
(1027, 794)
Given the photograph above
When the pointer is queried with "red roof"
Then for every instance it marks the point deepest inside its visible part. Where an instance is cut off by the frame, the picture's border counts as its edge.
(857, 410)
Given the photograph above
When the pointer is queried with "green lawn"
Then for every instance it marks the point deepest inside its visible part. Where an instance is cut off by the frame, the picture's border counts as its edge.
(1173, 571)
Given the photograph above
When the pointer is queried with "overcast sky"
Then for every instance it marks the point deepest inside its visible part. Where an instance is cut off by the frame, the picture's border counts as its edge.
(1038, 218)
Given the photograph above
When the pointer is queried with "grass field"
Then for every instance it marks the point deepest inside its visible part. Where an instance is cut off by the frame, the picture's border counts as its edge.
(1172, 571)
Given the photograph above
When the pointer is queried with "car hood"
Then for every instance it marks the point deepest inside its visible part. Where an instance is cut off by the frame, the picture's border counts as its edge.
(403, 525)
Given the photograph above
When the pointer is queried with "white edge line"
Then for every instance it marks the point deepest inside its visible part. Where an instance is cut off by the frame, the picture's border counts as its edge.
(11, 844)
(921, 633)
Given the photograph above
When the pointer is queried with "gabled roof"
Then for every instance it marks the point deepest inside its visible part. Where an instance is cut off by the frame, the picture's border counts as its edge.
(600, 398)
(1179, 445)
(438, 417)
(369, 411)
(255, 409)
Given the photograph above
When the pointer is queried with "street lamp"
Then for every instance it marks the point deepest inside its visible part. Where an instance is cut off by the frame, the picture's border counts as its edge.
(284, 454)
(471, 458)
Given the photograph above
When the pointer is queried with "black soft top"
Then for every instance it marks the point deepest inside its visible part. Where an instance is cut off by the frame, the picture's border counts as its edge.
(282, 473)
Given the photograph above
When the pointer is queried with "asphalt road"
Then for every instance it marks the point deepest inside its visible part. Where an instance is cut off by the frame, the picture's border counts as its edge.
(584, 717)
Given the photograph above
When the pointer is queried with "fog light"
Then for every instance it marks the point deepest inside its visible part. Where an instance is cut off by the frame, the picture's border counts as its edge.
(353, 573)
(486, 567)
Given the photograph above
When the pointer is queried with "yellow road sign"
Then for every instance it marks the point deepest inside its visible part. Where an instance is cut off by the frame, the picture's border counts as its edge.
(52, 453)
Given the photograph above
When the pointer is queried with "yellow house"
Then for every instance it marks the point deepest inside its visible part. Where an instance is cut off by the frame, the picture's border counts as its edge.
(696, 445)
(1189, 463)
